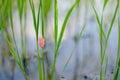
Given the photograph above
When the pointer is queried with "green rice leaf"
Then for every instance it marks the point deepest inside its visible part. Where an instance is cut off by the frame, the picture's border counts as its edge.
(101, 35)
(113, 20)
(12, 27)
(81, 32)
(42, 15)
(3, 14)
(38, 20)
(16, 57)
(36, 27)
(99, 23)
(69, 58)
(61, 36)
(43, 35)
(21, 4)
(106, 66)
(55, 20)
(105, 3)
(117, 67)
(46, 6)
(65, 23)
(33, 14)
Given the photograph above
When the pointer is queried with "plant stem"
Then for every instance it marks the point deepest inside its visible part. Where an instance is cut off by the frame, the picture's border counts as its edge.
(39, 60)
(43, 35)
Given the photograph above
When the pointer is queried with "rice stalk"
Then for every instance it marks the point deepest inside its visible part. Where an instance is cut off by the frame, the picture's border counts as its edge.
(61, 36)
(102, 34)
(36, 28)
(117, 68)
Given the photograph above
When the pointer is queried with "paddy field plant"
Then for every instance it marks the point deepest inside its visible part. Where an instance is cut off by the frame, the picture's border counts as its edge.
(7, 17)
(22, 11)
(7, 11)
(117, 67)
(57, 40)
(39, 20)
(104, 38)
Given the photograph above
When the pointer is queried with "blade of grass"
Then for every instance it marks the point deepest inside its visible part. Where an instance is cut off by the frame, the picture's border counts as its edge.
(81, 32)
(105, 3)
(109, 31)
(65, 23)
(47, 6)
(106, 67)
(21, 4)
(39, 62)
(113, 20)
(104, 6)
(98, 20)
(55, 31)
(43, 35)
(24, 28)
(12, 28)
(55, 21)
(21, 7)
(38, 20)
(116, 74)
(118, 52)
(101, 34)
(61, 36)
(42, 15)
(33, 13)
(69, 58)
(102, 51)
(16, 58)
(4, 13)
(36, 27)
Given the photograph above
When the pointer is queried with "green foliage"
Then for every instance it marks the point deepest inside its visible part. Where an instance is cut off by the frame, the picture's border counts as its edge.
(14, 54)
(35, 20)
(3, 13)
(22, 11)
(78, 38)
(117, 67)
(43, 35)
(102, 34)
(16, 57)
(21, 4)
(36, 28)
(46, 6)
(6, 12)
(55, 21)
(61, 36)
(105, 3)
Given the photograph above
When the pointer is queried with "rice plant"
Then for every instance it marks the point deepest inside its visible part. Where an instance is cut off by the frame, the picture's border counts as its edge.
(8, 8)
(102, 34)
(22, 11)
(58, 42)
(116, 74)
(40, 17)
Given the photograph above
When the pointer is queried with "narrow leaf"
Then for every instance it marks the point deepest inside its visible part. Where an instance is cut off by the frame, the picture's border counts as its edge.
(55, 20)
(65, 23)
(113, 20)
(105, 3)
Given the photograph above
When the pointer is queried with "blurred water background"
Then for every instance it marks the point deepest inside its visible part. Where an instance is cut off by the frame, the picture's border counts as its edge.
(84, 63)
